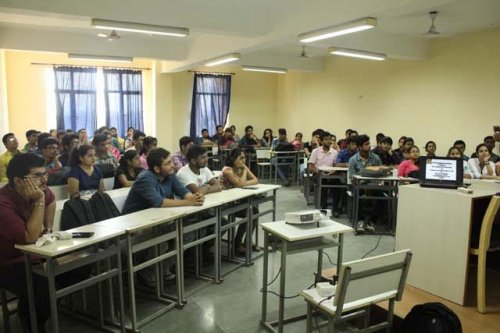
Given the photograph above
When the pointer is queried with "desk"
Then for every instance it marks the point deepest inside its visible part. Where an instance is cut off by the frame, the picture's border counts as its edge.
(286, 158)
(296, 239)
(326, 173)
(435, 224)
(51, 253)
(388, 185)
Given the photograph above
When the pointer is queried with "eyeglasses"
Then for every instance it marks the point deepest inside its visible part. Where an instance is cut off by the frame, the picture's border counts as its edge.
(37, 175)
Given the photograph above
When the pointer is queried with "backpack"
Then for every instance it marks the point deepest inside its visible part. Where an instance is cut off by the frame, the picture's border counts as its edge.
(103, 206)
(375, 173)
(431, 318)
(76, 212)
(284, 146)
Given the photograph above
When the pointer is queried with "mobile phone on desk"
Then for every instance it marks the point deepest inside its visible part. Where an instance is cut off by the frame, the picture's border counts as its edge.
(82, 234)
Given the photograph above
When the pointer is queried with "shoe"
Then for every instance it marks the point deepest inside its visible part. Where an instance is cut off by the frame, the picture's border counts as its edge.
(168, 275)
(255, 248)
(287, 183)
(145, 280)
(369, 227)
(360, 226)
(241, 250)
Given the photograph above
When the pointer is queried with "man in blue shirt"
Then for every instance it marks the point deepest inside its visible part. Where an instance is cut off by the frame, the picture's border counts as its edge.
(345, 154)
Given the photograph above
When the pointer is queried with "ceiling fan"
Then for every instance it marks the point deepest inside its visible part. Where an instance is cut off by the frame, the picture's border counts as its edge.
(432, 29)
(304, 54)
(111, 37)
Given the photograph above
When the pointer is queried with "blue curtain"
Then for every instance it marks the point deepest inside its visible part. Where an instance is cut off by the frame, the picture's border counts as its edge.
(210, 105)
(123, 98)
(76, 97)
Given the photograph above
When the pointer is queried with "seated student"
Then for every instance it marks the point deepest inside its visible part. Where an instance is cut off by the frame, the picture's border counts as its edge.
(31, 145)
(50, 152)
(410, 167)
(399, 151)
(334, 143)
(137, 141)
(489, 142)
(281, 144)
(460, 144)
(297, 142)
(129, 169)
(219, 135)
(364, 158)
(129, 139)
(482, 166)
(378, 137)
(384, 151)
(236, 137)
(12, 146)
(249, 139)
(237, 174)
(455, 152)
(84, 176)
(149, 144)
(28, 208)
(314, 143)
(69, 142)
(405, 152)
(267, 138)
(343, 142)
(117, 141)
(104, 158)
(227, 140)
(179, 158)
(204, 139)
(83, 137)
(345, 154)
(430, 149)
(196, 176)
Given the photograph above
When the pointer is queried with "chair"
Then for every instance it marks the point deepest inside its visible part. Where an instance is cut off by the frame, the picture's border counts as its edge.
(60, 191)
(362, 283)
(263, 163)
(109, 183)
(486, 244)
(6, 312)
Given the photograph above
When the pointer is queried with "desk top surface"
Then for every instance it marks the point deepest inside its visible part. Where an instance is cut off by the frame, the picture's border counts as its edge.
(60, 247)
(390, 178)
(294, 232)
(332, 168)
(478, 192)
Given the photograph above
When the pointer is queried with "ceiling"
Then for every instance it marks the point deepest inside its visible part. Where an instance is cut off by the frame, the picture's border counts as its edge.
(264, 32)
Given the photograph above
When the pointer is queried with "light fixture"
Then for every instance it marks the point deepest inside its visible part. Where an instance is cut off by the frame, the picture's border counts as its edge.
(339, 30)
(95, 57)
(223, 60)
(357, 53)
(264, 69)
(140, 27)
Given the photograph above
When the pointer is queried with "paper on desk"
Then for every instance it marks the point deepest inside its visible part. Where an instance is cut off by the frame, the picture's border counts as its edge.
(48, 239)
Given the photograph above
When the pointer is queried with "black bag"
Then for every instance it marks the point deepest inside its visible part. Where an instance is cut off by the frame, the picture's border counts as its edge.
(103, 206)
(380, 172)
(76, 212)
(431, 318)
(284, 146)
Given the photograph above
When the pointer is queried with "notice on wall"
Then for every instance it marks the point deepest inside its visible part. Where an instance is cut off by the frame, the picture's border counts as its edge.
(441, 169)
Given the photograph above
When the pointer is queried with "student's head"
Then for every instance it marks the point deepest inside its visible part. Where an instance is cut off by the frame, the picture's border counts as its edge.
(353, 133)
(49, 148)
(334, 139)
(379, 137)
(363, 142)
(489, 141)
(113, 131)
(149, 143)
(236, 158)
(228, 134)
(10, 142)
(131, 159)
(326, 139)
(84, 155)
(233, 129)
(101, 129)
(197, 157)
(219, 129)
(60, 134)
(282, 134)
(82, 134)
(185, 143)
(248, 130)
(482, 151)
(69, 131)
(414, 153)
(348, 132)
(408, 143)
(460, 144)
(130, 132)
(138, 139)
(401, 142)
(32, 136)
(69, 142)
(204, 133)
(101, 142)
(454, 152)
(26, 166)
(42, 136)
(53, 133)
(298, 136)
(430, 147)
(352, 144)
(160, 162)
(317, 133)
(385, 143)
(268, 133)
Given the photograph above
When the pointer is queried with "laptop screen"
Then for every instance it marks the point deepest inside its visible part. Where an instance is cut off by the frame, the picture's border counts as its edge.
(441, 171)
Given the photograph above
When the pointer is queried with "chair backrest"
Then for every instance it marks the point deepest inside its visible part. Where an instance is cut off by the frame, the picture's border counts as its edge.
(109, 183)
(262, 154)
(488, 219)
(60, 191)
(366, 281)
(215, 150)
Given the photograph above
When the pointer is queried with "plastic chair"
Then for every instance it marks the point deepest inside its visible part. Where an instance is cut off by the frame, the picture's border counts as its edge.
(362, 283)
(486, 244)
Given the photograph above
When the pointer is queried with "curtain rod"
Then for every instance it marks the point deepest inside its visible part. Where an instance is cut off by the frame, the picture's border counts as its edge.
(99, 66)
(214, 73)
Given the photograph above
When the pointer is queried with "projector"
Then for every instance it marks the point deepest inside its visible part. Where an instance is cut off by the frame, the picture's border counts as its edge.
(307, 216)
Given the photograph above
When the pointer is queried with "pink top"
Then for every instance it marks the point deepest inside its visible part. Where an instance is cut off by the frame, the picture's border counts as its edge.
(144, 162)
(406, 167)
(319, 158)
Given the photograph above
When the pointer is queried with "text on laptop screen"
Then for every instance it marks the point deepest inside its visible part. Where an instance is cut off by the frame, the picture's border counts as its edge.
(441, 169)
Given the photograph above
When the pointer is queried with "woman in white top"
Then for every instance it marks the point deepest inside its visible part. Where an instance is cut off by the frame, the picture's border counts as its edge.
(481, 166)
(454, 152)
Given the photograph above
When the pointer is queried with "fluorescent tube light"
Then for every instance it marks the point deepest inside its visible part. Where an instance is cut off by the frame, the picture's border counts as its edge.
(140, 27)
(94, 57)
(264, 69)
(223, 60)
(357, 54)
(339, 30)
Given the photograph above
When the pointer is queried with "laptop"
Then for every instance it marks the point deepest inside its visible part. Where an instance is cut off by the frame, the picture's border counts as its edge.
(441, 172)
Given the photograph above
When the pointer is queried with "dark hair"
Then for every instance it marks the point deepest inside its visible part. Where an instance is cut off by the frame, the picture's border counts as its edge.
(402, 138)
(379, 137)
(185, 140)
(386, 139)
(61, 133)
(282, 131)
(414, 147)
(138, 134)
(428, 143)
(459, 142)
(99, 138)
(30, 133)
(204, 130)
(232, 127)
(149, 140)
(318, 131)
(21, 164)
(218, 126)
(454, 147)
(408, 139)
(194, 152)
(80, 152)
(353, 131)
(489, 137)
(270, 131)
(130, 128)
(112, 128)
(156, 157)
(128, 156)
(324, 134)
(81, 130)
(349, 140)
(48, 141)
(69, 130)
(299, 133)
(479, 146)
(233, 156)
(67, 138)
(248, 127)
(43, 135)
(361, 139)
(228, 130)
(6, 136)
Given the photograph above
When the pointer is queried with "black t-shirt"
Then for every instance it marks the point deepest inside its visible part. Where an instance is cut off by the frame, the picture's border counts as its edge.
(124, 171)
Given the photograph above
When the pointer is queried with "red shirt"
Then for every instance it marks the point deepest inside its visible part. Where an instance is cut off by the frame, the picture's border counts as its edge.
(14, 213)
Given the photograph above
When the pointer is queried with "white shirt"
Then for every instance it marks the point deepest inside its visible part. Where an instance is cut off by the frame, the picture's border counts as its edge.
(476, 169)
(187, 177)
(319, 158)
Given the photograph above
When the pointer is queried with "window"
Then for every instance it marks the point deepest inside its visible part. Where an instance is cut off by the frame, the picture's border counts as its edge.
(210, 105)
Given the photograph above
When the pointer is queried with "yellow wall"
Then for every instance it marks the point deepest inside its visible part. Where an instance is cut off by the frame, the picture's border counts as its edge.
(454, 94)
(26, 93)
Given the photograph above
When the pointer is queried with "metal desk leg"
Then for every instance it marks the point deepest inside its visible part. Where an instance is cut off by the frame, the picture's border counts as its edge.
(263, 318)
(281, 315)
(248, 237)
(318, 191)
(131, 287)
(217, 245)
(320, 264)
(340, 252)
(120, 285)
(31, 292)
(180, 253)
(274, 205)
(309, 318)
(52, 294)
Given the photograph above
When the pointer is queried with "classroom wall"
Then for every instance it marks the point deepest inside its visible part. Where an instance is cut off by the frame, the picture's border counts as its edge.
(453, 94)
